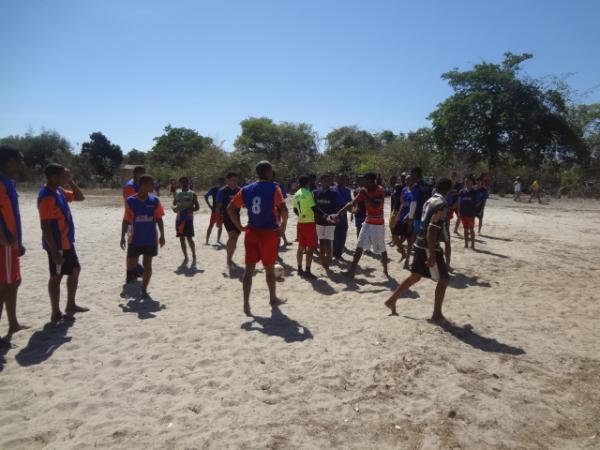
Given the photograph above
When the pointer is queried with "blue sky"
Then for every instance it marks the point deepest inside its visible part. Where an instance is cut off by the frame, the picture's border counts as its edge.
(130, 67)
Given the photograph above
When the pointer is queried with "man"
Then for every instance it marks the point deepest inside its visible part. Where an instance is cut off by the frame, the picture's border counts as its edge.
(452, 210)
(420, 193)
(535, 191)
(264, 202)
(11, 238)
(401, 230)
(285, 196)
(327, 204)
(517, 186)
(224, 197)
(341, 228)
(359, 210)
(185, 203)
(467, 210)
(214, 218)
(129, 189)
(143, 212)
(429, 260)
(304, 204)
(481, 199)
(372, 233)
(58, 232)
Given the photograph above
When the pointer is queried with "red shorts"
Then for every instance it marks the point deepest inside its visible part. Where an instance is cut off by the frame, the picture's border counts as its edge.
(307, 235)
(10, 271)
(261, 245)
(214, 217)
(451, 213)
(468, 222)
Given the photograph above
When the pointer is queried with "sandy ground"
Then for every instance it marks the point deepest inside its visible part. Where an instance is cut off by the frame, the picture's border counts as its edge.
(519, 369)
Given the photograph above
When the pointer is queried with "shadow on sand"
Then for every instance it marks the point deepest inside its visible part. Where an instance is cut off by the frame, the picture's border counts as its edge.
(5, 347)
(485, 344)
(190, 271)
(462, 281)
(496, 238)
(143, 307)
(278, 325)
(488, 252)
(43, 343)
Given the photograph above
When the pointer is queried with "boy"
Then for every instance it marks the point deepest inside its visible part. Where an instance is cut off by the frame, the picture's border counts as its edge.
(143, 212)
(420, 193)
(326, 200)
(372, 233)
(341, 228)
(58, 232)
(429, 260)
(482, 196)
(359, 210)
(185, 203)
(452, 200)
(224, 197)
(304, 204)
(11, 239)
(535, 191)
(401, 230)
(467, 210)
(517, 189)
(131, 188)
(214, 218)
(264, 202)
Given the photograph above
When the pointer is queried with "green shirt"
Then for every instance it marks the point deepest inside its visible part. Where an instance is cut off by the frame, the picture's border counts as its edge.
(304, 202)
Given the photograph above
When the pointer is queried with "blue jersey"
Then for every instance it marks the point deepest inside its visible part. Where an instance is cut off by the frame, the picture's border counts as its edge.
(421, 192)
(10, 217)
(262, 199)
(344, 195)
(468, 200)
(142, 216)
(406, 199)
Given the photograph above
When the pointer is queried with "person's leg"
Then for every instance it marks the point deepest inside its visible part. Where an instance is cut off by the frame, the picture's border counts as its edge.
(299, 257)
(54, 292)
(72, 284)
(325, 246)
(231, 246)
(457, 224)
(480, 221)
(183, 248)
(447, 244)
(440, 292)
(219, 233)
(404, 286)
(357, 254)
(409, 245)
(384, 260)
(209, 231)
(247, 286)
(9, 296)
(147, 275)
(473, 237)
(272, 284)
(466, 236)
(309, 258)
(192, 244)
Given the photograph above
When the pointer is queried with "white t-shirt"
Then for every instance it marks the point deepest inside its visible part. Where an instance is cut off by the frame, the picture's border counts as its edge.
(517, 186)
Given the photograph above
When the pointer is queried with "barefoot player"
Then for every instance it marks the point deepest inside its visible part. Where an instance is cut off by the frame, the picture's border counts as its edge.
(185, 203)
(211, 195)
(58, 232)
(11, 240)
(467, 210)
(304, 204)
(327, 204)
(224, 197)
(132, 188)
(428, 258)
(265, 205)
(143, 212)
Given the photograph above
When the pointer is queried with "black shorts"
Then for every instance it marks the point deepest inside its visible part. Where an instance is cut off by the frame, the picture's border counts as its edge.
(186, 230)
(135, 251)
(71, 262)
(401, 229)
(229, 226)
(419, 264)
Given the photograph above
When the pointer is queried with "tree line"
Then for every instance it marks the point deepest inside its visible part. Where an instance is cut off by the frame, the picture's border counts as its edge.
(498, 120)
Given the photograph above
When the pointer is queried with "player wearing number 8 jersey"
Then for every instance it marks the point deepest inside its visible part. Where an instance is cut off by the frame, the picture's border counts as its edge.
(264, 201)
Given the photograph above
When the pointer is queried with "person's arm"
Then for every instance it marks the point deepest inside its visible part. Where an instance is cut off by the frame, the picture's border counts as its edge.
(6, 240)
(77, 194)
(432, 233)
(196, 203)
(124, 226)
(284, 218)
(48, 238)
(206, 196)
(161, 229)
(236, 203)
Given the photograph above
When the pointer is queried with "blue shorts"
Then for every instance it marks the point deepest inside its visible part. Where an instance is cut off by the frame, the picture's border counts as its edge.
(416, 226)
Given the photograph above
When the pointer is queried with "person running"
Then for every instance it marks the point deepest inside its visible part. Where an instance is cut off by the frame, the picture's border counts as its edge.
(467, 210)
(185, 203)
(143, 212)
(58, 232)
(304, 204)
(482, 196)
(265, 205)
(402, 230)
(131, 188)
(420, 193)
(11, 237)
(395, 201)
(224, 197)
(359, 210)
(536, 191)
(341, 228)
(372, 233)
(327, 201)
(212, 204)
(517, 187)
(428, 259)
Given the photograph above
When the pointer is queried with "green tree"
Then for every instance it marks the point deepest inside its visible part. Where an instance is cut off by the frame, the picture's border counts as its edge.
(499, 116)
(103, 156)
(177, 146)
(135, 156)
(41, 149)
(352, 137)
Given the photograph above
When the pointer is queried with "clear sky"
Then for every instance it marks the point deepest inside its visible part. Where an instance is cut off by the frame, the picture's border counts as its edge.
(130, 67)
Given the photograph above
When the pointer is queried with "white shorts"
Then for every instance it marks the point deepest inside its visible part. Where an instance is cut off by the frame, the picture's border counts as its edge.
(372, 237)
(326, 232)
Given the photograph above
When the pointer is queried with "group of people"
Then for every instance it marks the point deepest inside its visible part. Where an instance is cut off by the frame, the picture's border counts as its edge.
(421, 214)
(536, 190)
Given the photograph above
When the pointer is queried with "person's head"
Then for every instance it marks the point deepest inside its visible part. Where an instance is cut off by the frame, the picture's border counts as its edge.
(370, 179)
(410, 181)
(54, 174)
(11, 161)
(518, 179)
(402, 179)
(231, 179)
(342, 180)
(138, 171)
(303, 181)
(360, 181)
(416, 173)
(454, 177)
(146, 184)
(184, 182)
(469, 182)
(443, 185)
(264, 171)
(326, 181)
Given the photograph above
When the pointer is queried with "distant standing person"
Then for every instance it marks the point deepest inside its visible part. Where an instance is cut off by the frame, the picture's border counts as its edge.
(420, 193)
(536, 191)
(224, 197)
(211, 195)
(517, 187)
(157, 187)
(11, 237)
(359, 210)
(264, 202)
(372, 233)
(482, 196)
(285, 196)
(341, 228)
(143, 213)
(172, 188)
(185, 204)
(58, 232)
(429, 260)
(130, 189)
(467, 210)
(304, 204)
(327, 204)
(402, 229)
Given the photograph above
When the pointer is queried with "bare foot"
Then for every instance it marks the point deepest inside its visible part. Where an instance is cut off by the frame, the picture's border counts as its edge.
(392, 305)
(76, 309)
(311, 276)
(17, 328)
(247, 309)
(350, 274)
(277, 302)
(438, 319)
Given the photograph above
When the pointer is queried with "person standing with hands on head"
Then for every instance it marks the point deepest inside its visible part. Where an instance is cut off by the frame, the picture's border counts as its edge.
(224, 197)
(131, 188)
(214, 217)
(264, 201)
(429, 259)
(58, 232)
(185, 203)
(341, 228)
(304, 205)
(11, 237)
(372, 233)
(143, 212)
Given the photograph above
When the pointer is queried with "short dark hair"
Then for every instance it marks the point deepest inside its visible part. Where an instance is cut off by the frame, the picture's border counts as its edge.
(326, 175)
(7, 153)
(417, 171)
(184, 178)
(443, 185)
(303, 180)
(53, 169)
(370, 176)
(146, 179)
(262, 168)
(139, 170)
(231, 175)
